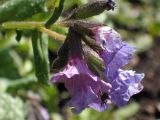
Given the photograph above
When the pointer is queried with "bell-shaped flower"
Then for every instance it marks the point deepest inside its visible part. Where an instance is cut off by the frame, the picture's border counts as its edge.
(86, 89)
(115, 54)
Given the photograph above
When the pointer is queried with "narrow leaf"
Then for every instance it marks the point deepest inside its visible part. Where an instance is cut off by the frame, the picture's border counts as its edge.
(57, 12)
(40, 50)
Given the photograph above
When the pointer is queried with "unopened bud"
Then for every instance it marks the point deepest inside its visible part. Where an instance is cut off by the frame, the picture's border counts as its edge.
(91, 9)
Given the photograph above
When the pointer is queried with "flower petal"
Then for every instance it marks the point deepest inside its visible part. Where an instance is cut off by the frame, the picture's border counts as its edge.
(75, 66)
(108, 39)
(116, 60)
(125, 85)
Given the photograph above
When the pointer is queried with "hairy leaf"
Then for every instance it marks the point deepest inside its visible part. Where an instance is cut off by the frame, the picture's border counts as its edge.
(20, 9)
(10, 63)
(40, 50)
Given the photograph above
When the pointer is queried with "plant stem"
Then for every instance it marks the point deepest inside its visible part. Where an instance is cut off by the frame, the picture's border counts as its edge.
(21, 25)
(27, 25)
(33, 25)
(52, 33)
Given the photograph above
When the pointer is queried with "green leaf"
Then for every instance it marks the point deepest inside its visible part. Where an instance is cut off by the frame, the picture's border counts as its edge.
(40, 50)
(10, 64)
(6, 38)
(57, 3)
(23, 84)
(20, 9)
(11, 108)
(57, 12)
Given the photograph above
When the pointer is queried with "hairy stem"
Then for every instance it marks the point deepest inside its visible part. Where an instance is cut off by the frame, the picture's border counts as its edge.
(52, 33)
(21, 25)
(33, 25)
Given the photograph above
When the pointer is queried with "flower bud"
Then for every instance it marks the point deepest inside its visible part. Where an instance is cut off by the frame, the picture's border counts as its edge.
(91, 9)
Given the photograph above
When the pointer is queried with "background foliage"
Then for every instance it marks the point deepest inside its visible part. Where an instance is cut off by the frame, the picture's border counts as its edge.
(138, 22)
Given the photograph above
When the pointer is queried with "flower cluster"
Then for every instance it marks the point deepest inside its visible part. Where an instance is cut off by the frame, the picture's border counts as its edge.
(89, 90)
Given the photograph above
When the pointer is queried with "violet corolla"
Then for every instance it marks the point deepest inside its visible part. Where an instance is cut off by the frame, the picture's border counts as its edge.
(85, 88)
(117, 53)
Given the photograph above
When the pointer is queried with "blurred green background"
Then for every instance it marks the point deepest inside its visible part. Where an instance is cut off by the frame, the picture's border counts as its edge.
(138, 22)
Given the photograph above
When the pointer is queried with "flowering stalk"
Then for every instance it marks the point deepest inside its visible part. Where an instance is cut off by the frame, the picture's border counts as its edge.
(85, 88)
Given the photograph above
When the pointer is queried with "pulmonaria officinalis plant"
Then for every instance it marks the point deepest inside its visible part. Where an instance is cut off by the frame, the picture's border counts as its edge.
(86, 88)
(90, 85)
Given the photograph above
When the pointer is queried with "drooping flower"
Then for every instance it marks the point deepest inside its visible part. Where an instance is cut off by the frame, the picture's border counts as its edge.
(85, 88)
(117, 53)
(125, 85)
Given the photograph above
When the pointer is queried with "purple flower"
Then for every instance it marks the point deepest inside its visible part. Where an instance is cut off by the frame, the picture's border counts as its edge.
(85, 88)
(115, 60)
(116, 54)
(125, 85)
